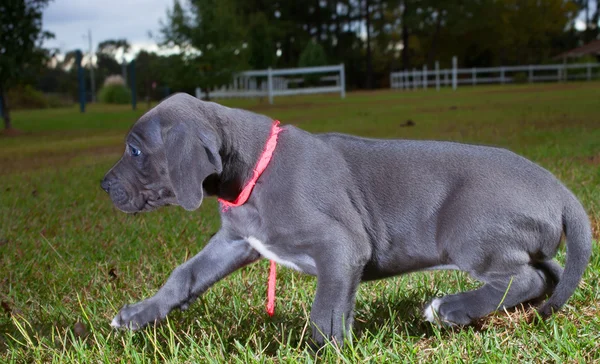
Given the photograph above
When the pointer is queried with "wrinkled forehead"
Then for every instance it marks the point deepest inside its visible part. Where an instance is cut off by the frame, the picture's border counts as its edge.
(145, 133)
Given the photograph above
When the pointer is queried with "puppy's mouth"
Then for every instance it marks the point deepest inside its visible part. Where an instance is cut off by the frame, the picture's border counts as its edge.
(146, 200)
(154, 200)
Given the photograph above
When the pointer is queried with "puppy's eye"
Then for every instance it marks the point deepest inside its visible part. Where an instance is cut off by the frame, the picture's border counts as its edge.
(134, 151)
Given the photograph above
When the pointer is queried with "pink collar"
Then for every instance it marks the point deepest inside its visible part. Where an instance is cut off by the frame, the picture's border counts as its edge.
(260, 167)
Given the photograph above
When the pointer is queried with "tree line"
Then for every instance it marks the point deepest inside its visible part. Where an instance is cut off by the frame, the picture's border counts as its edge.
(214, 39)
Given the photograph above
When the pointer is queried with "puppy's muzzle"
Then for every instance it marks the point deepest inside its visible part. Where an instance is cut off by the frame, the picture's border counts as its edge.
(115, 190)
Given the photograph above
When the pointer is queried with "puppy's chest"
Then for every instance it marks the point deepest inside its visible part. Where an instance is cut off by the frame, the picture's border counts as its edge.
(272, 242)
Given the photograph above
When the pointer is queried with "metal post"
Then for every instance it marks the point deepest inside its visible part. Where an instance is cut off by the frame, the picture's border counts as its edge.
(454, 72)
(343, 80)
(79, 56)
(132, 85)
(474, 77)
(425, 81)
(437, 75)
(92, 78)
(270, 85)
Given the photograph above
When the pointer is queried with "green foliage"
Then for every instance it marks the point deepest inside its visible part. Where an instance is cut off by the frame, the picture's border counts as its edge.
(212, 39)
(261, 43)
(313, 55)
(112, 47)
(21, 37)
(26, 97)
(114, 94)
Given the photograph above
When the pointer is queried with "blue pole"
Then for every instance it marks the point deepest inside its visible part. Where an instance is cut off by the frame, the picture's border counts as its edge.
(81, 82)
(132, 78)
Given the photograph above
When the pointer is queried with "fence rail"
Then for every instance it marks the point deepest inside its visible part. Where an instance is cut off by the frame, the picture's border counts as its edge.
(492, 75)
(270, 83)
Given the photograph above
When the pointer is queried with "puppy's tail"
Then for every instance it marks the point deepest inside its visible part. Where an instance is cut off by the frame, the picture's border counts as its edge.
(578, 232)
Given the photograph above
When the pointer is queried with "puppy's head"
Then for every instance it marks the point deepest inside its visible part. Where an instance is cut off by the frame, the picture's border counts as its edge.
(169, 152)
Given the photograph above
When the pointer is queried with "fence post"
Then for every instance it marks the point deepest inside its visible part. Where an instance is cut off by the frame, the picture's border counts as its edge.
(454, 72)
(589, 71)
(530, 78)
(343, 80)
(437, 75)
(425, 80)
(474, 76)
(502, 79)
(78, 58)
(270, 85)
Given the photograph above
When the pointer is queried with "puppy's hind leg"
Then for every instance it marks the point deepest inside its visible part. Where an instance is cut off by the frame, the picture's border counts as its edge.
(499, 291)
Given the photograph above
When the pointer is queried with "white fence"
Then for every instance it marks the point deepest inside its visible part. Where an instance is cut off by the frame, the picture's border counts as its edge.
(492, 75)
(271, 83)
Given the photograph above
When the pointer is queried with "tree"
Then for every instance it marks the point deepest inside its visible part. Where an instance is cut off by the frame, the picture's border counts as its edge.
(21, 38)
(112, 47)
(211, 39)
(261, 44)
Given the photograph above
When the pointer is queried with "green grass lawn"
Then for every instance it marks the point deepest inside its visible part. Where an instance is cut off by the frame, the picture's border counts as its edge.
(69, 260)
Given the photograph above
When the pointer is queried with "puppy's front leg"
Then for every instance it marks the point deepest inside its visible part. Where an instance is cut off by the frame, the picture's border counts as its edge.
(219, 258)
(333, 308)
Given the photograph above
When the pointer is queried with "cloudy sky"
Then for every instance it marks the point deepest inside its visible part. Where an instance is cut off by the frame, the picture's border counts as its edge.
(70, 20)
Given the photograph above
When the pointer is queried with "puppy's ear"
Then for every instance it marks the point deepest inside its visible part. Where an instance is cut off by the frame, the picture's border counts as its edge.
(192, 155)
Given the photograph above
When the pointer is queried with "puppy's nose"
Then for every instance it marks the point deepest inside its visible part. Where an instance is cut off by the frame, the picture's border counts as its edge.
(105, 184)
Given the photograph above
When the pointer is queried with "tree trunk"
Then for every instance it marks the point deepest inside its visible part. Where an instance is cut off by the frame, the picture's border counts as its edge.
(369, 84)
(4, 107)
(587, 21)
(405, 35)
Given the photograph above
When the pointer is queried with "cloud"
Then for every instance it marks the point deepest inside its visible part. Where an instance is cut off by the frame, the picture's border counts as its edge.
(70, 20)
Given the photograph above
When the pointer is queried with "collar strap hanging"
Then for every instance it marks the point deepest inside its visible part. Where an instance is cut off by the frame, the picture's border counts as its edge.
(260, 167)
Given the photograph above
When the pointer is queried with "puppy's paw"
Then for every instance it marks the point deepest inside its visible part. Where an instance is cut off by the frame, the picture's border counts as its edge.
(136, 316)
(436, 312)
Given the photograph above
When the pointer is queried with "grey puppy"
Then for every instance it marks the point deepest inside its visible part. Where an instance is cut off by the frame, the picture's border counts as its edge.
(350, 209)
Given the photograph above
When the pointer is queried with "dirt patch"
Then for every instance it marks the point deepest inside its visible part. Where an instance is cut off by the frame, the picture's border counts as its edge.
(593, 160)
(11, 133)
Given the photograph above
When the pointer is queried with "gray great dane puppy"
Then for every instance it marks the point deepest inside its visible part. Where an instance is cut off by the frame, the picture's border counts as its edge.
(350, 209)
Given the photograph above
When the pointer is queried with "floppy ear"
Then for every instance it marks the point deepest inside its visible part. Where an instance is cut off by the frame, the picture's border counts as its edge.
(192, 155)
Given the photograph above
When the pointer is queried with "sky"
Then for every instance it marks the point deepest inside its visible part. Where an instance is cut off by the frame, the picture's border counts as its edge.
(70, 21)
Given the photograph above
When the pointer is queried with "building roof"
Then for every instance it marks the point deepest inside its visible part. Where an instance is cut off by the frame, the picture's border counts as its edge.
(592, 48)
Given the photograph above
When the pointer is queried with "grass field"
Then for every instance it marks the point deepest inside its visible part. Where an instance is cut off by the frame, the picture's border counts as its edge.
(69, 260)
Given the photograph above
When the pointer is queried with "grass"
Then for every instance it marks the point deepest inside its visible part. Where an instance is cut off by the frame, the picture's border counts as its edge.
(69, 260)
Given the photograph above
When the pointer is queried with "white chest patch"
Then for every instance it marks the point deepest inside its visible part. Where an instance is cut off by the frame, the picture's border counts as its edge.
(262, 249)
